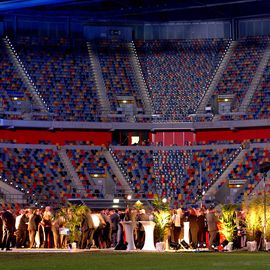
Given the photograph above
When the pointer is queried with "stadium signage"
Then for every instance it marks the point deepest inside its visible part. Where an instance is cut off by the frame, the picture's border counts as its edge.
(237, 181)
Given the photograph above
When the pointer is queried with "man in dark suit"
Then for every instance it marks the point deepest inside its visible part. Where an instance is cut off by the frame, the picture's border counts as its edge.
(8, 229)
(201, 236)
(34, 220)
(88, 229)
(21, 233)
(115, 219)
(212, 219)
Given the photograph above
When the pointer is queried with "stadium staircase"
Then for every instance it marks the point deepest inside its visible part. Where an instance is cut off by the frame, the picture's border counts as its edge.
(219, 189)
(90, 179)
(118, 173)
(110, 192)
(70, 170)
(101, 88)
(255, 192)
(256, 80)
(140, 79)
(260, 185)
(38, 103)
(216, 78)
(11, 194)
(13, 191)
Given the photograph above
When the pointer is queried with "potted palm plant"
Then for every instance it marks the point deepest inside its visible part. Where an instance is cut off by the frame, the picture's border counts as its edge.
(162, 219)
(228, 225)
(75, 213)
(257, 214)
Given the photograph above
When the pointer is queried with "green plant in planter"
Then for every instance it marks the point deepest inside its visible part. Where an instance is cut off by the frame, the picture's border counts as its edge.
(254, 215)
(228, 221)
(160, 204)
(162, 219)
(75, 214)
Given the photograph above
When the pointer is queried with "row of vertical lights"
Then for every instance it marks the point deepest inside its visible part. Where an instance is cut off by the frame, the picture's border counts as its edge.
(229, 161)
(24, 69)
(27, 192)
(121, 167)
(137, 58)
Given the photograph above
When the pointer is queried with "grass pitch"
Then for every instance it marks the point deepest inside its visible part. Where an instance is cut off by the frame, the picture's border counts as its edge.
(135, 261)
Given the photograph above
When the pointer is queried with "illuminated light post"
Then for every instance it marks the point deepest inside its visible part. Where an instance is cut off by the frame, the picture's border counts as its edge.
(128, 198)
(264, 168)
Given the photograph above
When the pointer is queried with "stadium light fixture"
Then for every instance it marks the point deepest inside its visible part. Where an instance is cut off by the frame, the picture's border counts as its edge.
(164, 200)
(116, 200)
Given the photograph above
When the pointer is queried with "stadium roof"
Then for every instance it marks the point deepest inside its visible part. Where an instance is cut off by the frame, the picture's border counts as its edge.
(139, 10)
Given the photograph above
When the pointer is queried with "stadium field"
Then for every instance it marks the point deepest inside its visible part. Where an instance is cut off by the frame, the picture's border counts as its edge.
(135, 261)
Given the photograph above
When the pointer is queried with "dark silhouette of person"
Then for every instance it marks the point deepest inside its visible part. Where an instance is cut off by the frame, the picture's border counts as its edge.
(177, 224)
(34, 220)
(115, 219)
(1, 231)
(201, 220)
(88, 229)
(21, 233)
(193, 227)
(8, 229)
(212, 226)
(47, 223)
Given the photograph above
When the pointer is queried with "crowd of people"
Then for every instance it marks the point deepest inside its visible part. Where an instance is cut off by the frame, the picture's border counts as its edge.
(46, 228)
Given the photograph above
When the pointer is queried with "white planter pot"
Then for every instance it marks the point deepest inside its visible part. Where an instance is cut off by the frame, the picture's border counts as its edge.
(73, 245)
(160, 246)
(229, 247)
(252, 246)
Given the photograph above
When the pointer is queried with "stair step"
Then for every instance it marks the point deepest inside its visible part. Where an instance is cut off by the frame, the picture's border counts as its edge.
(223, 64)
(37, 101)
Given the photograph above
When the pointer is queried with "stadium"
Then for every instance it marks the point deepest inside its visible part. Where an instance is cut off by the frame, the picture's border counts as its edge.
(158, 105)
